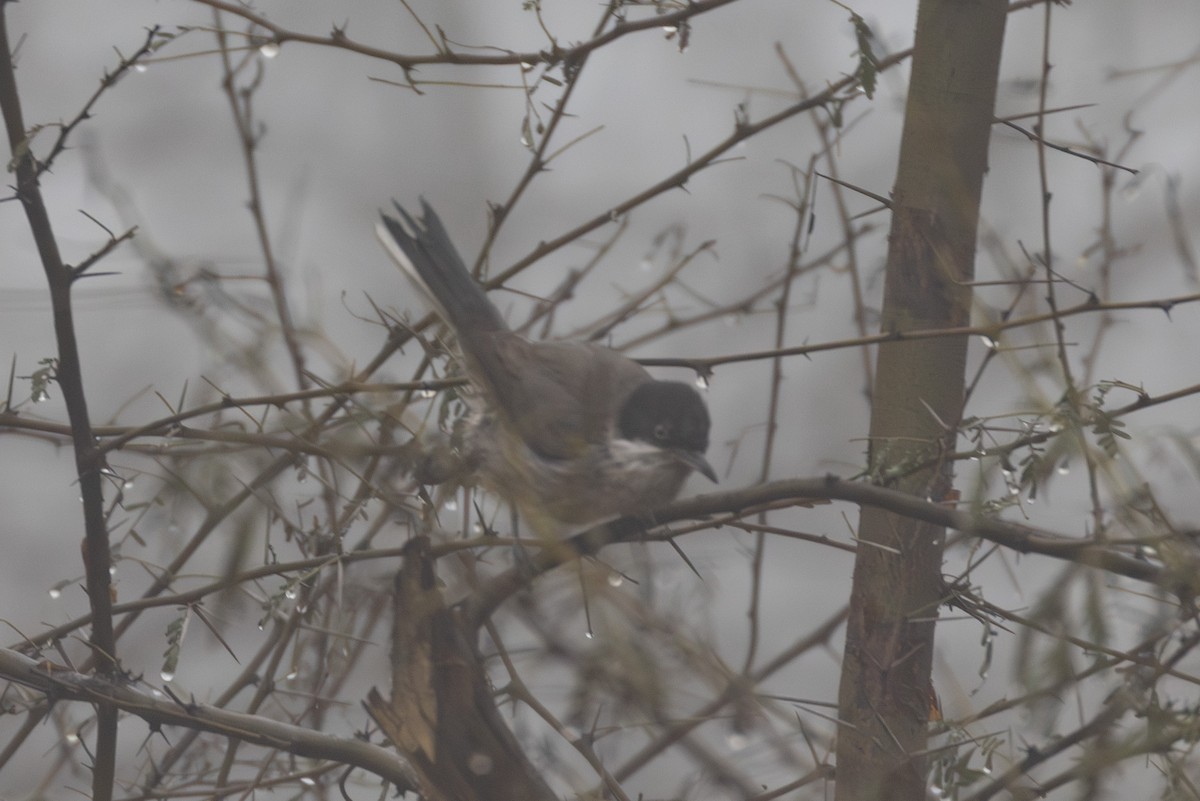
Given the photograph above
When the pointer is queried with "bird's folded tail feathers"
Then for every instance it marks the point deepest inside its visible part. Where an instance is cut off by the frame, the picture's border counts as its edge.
(423, 250)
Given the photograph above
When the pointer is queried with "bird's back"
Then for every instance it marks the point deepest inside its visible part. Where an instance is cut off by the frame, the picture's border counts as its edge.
(561, 397)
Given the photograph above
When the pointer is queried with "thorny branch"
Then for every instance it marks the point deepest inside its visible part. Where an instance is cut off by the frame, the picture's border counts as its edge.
(325, 574)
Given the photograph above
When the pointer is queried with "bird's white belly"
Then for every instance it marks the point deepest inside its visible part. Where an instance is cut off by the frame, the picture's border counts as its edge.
(624, 478)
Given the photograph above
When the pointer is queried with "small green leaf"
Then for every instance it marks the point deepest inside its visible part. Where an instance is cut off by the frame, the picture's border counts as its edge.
(868, 63)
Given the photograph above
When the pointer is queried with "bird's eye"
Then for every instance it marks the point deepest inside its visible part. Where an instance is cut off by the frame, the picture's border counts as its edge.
(660, 431)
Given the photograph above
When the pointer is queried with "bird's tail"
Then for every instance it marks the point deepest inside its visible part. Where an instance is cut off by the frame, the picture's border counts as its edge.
(423, 250)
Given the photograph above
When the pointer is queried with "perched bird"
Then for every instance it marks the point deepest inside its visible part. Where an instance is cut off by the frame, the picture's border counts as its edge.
(568, 432)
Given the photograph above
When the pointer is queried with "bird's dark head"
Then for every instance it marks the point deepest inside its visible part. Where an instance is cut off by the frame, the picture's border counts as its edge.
(670, 415)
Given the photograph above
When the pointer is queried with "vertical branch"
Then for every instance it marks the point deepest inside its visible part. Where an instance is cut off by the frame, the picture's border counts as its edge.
(89, 462)
(241, 107)
(884, 696)
(781, 315)
(1072, 393)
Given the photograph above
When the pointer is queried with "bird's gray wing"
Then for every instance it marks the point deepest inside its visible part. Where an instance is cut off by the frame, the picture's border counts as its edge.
(560, 397)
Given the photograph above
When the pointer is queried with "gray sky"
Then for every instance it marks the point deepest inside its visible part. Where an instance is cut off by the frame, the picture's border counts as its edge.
(338, 146)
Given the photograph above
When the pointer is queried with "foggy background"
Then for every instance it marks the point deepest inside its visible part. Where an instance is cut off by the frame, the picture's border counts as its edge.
(338, 146)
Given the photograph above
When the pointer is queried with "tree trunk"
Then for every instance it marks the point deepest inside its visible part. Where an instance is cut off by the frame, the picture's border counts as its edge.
(885, 691)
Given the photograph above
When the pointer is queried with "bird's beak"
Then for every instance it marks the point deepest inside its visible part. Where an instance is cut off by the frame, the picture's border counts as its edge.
(697, 462)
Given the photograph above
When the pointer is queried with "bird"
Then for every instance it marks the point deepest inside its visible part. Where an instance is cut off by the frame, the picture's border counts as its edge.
(569, 433)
